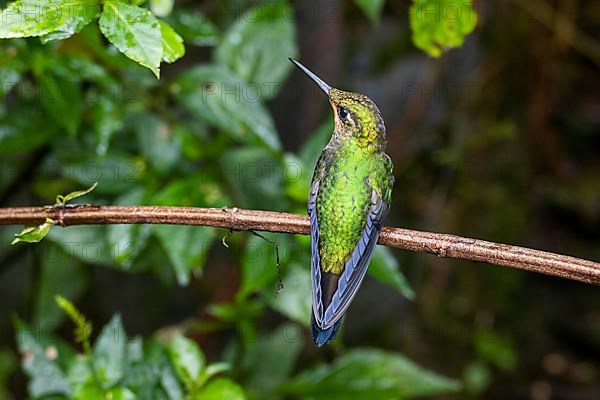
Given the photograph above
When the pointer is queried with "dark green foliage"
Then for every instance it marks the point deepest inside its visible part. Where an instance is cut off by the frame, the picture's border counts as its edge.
(510, 158)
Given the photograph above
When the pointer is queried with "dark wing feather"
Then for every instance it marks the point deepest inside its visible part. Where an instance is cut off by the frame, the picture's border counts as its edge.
(315, 264)
(356, 266)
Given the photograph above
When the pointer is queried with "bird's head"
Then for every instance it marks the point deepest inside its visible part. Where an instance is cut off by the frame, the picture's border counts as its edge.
(356, 116)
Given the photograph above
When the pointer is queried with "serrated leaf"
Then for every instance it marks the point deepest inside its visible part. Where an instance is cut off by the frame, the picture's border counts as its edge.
(258, 45)
(384, 267)
(34, 234)
(110, 353)
(371, 8)
(222, 99)
(134, 31)
(26, 18)
(172, 43)
(369, 374)
(187, 358)
(80, 13)
(438, 25)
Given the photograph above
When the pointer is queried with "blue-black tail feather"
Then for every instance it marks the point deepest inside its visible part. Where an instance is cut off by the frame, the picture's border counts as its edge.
(323, 336)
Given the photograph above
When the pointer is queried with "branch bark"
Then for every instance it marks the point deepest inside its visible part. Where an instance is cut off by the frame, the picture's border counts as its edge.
(440, 244)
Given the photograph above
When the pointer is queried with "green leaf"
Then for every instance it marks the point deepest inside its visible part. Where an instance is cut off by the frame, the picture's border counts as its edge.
(259, 261)
(270, 360)
(477, 377)
(25, 18)
(87, 243)
(62, 101)
(294, 300)
(120, 393)
(60, 274)
(384, 267)
(170, 383)
(187, 358)
(495, 348)
(194, 27)
(115, 173)
(219, 389)
(110, 353)
(314, 145)
(161, 8)
(214, 369)
(63, 200)
(128, 240)
(369, 374)
(81, 378)
(107, 119)
(438, 25)
(218, 97)
(38, 359)
(156, 141)
(371, 8)
(257, 176)
(187, 246)
(24, 129)
(172, 43)
(297, 177)
(134, 31)
(258, 45)
(34, 234)
(80, 13)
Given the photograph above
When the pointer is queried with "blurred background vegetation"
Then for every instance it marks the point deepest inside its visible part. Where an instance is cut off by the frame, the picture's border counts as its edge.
(495, 138)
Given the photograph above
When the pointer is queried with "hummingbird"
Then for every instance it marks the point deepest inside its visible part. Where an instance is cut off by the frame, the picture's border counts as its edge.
(349, 198)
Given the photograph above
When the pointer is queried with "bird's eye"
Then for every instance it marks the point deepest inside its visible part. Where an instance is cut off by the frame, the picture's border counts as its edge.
(342, 112)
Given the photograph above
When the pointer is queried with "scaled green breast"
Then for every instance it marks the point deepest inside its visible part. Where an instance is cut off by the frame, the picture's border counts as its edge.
(343, 204)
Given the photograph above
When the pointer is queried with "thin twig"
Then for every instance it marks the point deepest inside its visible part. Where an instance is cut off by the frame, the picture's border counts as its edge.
(277, 262)
(443, 245)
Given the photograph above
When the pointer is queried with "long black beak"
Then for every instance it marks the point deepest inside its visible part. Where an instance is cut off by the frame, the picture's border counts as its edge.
(324, 87)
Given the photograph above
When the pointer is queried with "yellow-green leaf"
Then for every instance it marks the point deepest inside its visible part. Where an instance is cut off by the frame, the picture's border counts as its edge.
(62, 200)
(172, 43)
(438, 25)
(34, 234)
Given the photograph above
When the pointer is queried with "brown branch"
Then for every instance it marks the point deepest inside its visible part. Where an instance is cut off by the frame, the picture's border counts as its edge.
(440, 244)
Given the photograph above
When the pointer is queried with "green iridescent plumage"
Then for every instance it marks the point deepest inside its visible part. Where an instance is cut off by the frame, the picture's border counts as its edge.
(349, 198)
(348, 173)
